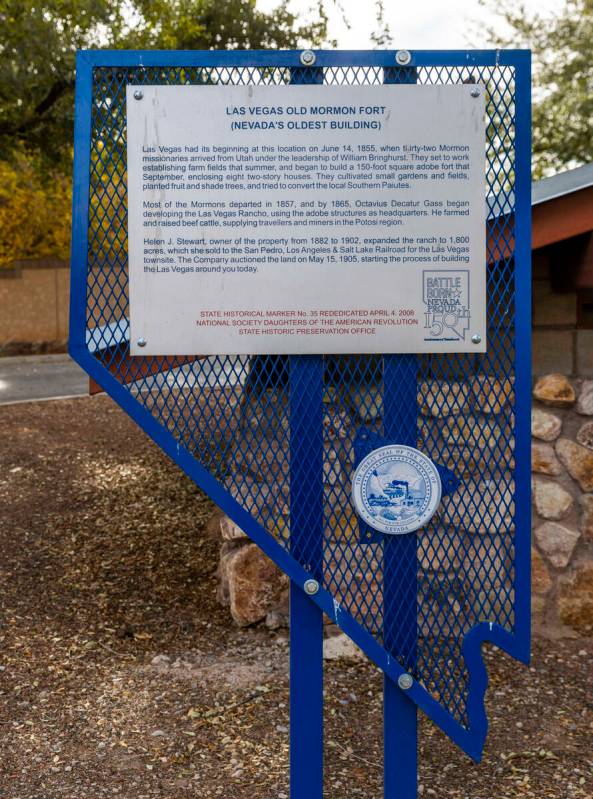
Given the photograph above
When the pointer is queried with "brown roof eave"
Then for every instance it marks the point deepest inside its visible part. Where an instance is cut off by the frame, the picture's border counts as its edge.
(562, 218)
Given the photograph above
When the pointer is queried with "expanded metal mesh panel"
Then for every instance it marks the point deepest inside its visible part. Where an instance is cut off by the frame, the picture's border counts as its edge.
(238, 416)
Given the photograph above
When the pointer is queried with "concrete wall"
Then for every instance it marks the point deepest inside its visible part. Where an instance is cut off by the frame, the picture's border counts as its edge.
(34, 298)
(35, 303)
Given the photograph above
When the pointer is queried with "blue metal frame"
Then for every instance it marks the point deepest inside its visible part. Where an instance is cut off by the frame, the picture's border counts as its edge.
(472, 737)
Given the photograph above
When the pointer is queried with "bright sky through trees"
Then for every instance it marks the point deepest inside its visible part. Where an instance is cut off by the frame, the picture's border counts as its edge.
(423, 24)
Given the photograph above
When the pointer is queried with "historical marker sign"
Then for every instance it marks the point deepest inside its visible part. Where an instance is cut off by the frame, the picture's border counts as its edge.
(364, 217)
(306, 219)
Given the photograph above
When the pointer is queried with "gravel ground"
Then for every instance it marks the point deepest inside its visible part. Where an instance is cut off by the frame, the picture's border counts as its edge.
(120, 675)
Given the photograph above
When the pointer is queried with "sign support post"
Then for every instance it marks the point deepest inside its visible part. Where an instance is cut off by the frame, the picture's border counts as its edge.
(400, 592)
(400, 719)
(306, 543)
(306, 540)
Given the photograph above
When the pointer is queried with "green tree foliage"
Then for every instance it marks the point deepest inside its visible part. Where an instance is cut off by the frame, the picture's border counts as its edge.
(38, 42)
(34, 211)
(562, 48)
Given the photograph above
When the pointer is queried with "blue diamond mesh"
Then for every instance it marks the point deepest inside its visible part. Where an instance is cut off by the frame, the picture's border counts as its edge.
(233, 413)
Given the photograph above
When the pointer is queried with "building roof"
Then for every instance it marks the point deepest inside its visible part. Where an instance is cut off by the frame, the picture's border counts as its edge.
(562, 184)
(562, 207)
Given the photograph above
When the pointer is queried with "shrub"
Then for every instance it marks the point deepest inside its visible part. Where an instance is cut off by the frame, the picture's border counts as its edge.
(35, 211)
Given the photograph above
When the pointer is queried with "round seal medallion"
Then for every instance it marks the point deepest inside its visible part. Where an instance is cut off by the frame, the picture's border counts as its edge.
(396, 489)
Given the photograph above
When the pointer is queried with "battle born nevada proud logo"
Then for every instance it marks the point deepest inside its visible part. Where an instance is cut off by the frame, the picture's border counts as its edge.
(446, 297)
(396, 489)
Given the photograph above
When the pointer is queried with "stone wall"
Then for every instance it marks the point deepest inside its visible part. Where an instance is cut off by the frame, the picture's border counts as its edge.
(562, 494)
(562, 548)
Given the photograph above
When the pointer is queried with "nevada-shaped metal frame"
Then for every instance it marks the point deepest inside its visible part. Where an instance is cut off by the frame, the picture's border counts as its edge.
(518, 207)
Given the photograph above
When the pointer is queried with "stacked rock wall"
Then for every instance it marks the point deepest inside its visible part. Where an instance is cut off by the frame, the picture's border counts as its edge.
(472, 423)
(562, 493)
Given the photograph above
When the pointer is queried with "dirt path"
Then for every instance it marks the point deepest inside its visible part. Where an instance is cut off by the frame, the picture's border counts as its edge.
(120, 675)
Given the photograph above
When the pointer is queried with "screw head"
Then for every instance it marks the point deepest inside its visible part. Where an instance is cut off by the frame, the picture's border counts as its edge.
(308, 58)
(476, 338)
(311, 587)
(138, 94)
(403, 57)
(141, 342)
(405, 681)
(475, 92)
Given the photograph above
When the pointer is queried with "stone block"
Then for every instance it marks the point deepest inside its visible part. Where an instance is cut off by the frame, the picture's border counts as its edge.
(279, 616)
(551, 351)
(585, 435)
(333, 472)
(231, 531)
(544, 460)
(341, 522)
(551, 500)
(439, 398)
(485, 562)
(552, 307)
(340, 647)
(587, 517)
(557, 542)
(555, 390)
(484, 506)
(337, 425)
(491, 395)
(367, 403)
(538, 606)
(584, 353)
(266, 411)
(473, 431)
(465, 461)
(222, 589)
(541, 582)
(545, 426)
(585, 400)
(439, 551)
(578, 460)
(255, 584)
(575, 598)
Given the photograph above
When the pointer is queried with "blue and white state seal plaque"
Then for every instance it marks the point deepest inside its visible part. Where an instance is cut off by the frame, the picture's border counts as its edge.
(396, 489)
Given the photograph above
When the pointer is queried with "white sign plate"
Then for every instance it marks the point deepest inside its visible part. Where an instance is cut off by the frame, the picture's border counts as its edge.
(306, 219)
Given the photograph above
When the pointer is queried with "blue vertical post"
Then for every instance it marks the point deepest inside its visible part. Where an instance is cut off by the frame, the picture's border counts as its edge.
(400, 593)
(522, 370)
(400, 725)
(306, 545)
(81, 179)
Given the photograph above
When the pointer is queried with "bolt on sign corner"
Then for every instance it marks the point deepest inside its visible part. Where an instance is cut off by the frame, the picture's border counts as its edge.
(309, 284)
